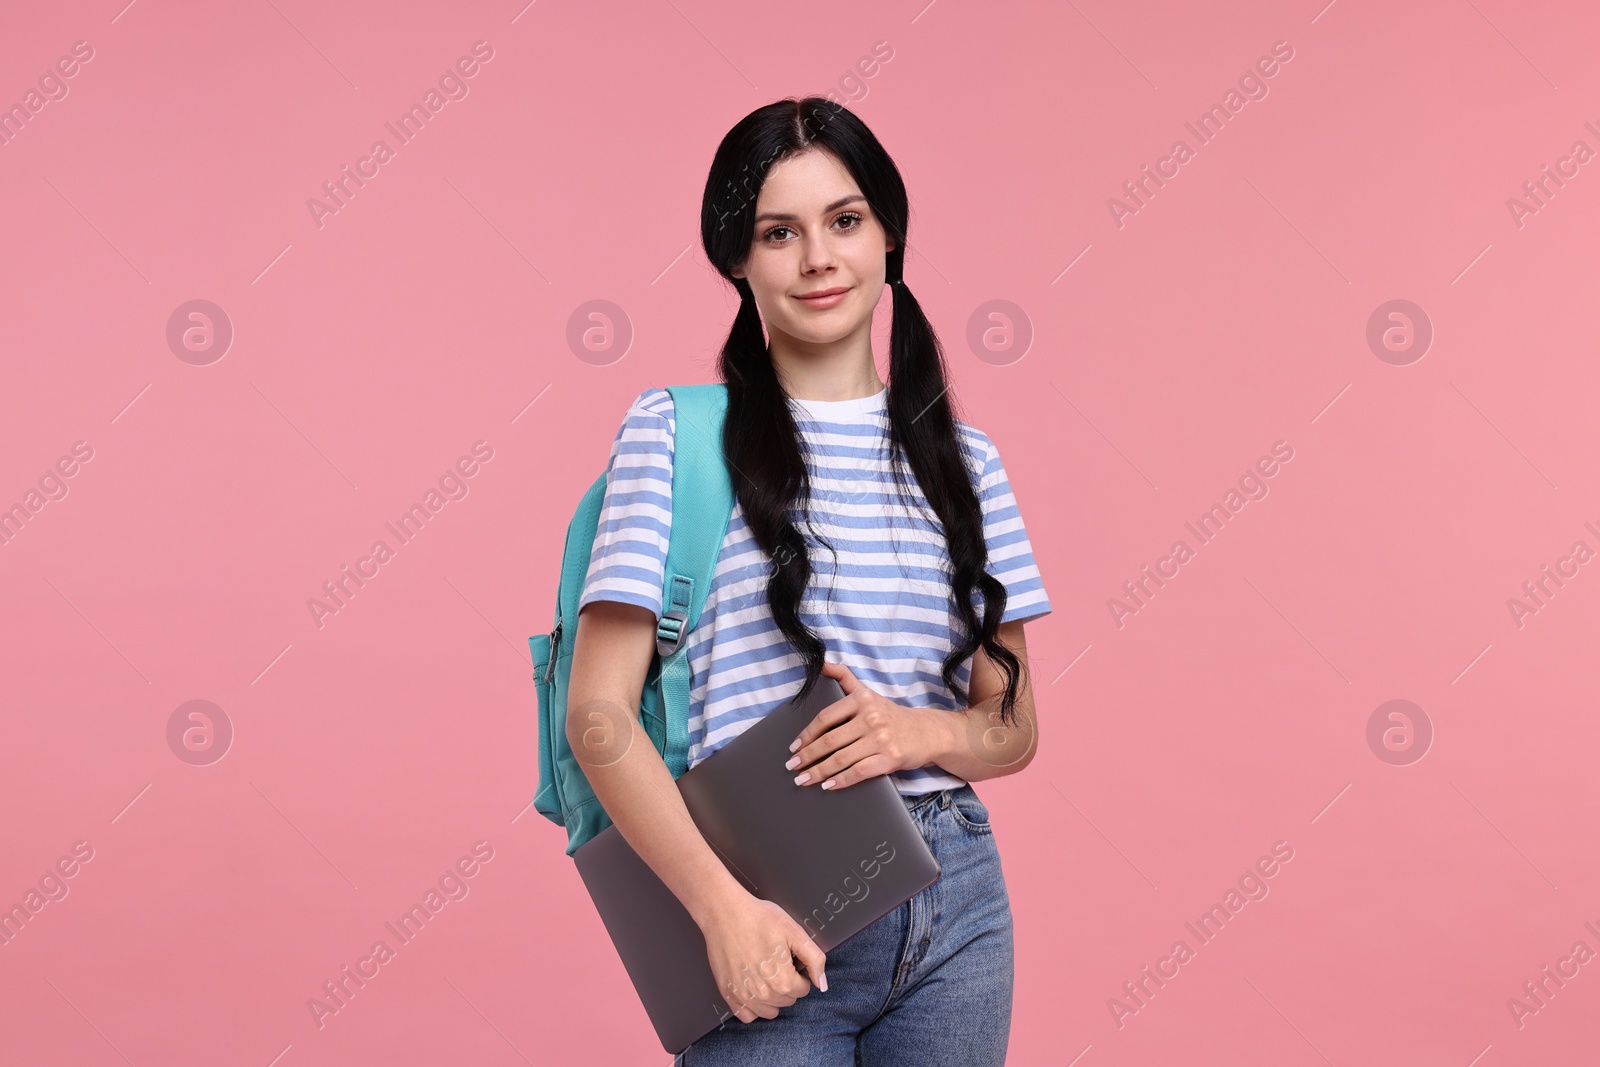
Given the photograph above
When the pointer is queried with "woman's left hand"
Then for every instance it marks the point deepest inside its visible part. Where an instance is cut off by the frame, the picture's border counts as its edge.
(863, 735)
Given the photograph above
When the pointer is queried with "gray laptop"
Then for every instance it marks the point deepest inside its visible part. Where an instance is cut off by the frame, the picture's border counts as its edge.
(836, 861)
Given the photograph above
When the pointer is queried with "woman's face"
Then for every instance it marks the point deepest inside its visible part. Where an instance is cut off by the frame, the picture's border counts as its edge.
(814, 232)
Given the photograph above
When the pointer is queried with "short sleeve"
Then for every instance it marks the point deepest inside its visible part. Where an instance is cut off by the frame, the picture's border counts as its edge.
(629, 558)
(1010, 552)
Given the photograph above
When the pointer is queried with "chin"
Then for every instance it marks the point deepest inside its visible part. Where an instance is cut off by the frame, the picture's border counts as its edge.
(812, 335)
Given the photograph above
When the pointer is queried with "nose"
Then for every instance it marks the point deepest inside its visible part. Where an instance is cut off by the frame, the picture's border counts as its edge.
(818, 255)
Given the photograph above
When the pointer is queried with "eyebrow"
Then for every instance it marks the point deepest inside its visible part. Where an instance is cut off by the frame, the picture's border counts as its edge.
(835, 206)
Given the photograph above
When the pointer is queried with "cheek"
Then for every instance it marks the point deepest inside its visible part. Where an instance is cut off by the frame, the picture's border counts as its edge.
(867, 264)
(769, 281)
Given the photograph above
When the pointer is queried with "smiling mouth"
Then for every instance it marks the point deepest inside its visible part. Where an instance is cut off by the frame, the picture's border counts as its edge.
(823, 295)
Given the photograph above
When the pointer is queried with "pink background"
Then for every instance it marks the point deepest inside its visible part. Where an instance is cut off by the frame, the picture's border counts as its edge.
(1168, 355)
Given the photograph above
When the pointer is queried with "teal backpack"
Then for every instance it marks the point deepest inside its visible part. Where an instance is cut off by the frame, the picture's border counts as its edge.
(702, 503)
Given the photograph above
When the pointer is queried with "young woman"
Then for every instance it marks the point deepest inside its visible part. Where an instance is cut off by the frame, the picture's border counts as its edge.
(910, 586)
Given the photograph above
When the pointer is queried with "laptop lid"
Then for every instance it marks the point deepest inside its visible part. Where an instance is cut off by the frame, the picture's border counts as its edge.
(834, 860)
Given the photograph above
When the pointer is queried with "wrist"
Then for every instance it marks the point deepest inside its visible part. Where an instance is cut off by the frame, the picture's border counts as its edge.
(718, 893)
(966, 745)
(945, 732)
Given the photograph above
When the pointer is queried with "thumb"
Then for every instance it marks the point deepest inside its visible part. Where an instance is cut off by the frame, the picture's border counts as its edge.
(841, 674)
(814, 959)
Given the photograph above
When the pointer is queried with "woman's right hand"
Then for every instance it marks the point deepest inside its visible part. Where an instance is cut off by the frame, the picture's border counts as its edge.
(748, 944)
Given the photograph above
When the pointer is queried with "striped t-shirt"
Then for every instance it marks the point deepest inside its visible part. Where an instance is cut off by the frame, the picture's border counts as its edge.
(884, 608)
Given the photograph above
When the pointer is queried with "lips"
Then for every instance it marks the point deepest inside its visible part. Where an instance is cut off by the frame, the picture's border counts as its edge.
(824, 298)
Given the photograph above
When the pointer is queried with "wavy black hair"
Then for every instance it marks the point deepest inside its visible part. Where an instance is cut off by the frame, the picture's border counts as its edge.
(760, 439)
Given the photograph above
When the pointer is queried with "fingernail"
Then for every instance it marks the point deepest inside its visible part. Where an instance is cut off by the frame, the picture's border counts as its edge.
(828, 784)
(822, 982)
(792, 764)
(802, 778)
(795, 744)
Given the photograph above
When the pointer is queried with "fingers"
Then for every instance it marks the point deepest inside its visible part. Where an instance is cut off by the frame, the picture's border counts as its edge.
(772, 983)
(854, 763)
(815, 960)
(737, 1004)
(744, 1014)
(829, 744)
(748, 1006)
(823, 723)
(782, 982)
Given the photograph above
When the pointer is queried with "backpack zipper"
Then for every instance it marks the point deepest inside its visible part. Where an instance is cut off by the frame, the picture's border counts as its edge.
(555, 646)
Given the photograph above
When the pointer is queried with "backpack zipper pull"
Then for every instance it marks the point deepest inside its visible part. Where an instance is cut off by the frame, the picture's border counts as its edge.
(555, 645)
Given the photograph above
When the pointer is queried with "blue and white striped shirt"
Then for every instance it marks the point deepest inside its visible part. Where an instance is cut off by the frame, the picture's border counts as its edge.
(884, 608)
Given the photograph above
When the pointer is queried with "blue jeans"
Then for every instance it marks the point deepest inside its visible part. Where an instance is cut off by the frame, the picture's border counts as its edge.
(927, 984)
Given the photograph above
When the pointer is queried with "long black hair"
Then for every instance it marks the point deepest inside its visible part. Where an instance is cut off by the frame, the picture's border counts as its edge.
(760, 439)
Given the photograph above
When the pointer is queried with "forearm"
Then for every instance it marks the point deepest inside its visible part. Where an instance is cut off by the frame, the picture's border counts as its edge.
(611, 655)
(973, 744)
(641, 798)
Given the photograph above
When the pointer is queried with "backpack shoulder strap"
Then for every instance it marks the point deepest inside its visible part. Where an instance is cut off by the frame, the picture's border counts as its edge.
(702, 503)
